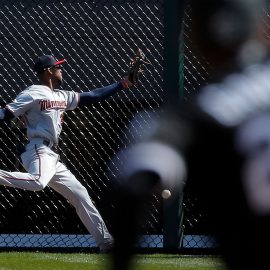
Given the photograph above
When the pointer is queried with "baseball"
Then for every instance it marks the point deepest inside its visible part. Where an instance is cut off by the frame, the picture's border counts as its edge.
(166, 194)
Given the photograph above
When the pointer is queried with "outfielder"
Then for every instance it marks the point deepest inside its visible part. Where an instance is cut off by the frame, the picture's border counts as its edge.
(42, 107)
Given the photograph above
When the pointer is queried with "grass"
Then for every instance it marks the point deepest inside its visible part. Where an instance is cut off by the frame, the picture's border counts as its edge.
(172, 262)
(74, 261)
(51, 261)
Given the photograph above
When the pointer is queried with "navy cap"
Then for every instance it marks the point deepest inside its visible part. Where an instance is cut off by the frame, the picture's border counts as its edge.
(46, 61)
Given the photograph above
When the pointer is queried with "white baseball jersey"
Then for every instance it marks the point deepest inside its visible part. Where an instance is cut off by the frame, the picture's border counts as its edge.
(43, 110)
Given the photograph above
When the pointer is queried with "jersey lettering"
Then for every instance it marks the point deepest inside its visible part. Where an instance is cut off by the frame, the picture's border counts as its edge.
(52, 104)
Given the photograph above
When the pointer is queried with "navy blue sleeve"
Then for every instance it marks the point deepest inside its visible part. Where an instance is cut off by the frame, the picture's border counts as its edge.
(6, 115)
(99, 94)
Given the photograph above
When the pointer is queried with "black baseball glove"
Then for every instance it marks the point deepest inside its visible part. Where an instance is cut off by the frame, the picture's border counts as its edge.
(135, 67)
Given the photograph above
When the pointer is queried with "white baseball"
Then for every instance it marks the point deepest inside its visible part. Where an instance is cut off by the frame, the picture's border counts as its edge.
(166, 194)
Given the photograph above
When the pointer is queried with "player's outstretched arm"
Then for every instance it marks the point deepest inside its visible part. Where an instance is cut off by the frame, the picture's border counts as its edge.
(131, 78)
(100, 94)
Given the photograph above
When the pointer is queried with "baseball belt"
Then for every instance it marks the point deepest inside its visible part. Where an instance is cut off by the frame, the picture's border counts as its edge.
(54, 148)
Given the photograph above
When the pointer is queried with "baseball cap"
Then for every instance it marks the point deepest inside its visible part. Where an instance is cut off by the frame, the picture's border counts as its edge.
(46, 61)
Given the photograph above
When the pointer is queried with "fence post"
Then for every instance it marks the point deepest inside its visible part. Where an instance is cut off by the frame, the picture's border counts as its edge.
(173, 85)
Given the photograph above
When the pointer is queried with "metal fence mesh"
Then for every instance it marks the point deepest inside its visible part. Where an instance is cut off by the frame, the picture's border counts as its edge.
(97, 38)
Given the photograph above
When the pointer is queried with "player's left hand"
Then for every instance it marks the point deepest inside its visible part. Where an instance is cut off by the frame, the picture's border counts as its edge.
(135, 69)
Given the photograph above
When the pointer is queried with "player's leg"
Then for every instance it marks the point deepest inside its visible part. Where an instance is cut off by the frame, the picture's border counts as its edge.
(65, 183)
(40, 164)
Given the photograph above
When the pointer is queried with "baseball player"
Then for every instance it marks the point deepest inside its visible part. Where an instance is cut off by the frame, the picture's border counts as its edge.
(42, 107)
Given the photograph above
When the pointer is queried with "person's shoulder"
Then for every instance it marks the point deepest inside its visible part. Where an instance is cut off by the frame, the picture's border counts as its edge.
(36, 91)
(62, 92)
(34, 88)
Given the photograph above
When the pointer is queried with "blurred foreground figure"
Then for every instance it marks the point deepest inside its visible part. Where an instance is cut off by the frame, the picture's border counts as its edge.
(219, 142)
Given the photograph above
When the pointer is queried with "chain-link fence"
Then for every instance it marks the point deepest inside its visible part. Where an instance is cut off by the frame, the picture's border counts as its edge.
(97, 38)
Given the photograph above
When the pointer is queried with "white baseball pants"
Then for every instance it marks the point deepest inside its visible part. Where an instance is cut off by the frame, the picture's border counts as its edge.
(44, 168)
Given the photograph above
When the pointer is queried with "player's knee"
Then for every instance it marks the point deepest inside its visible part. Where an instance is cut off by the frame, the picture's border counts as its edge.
(79, 196)
(39, 185)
